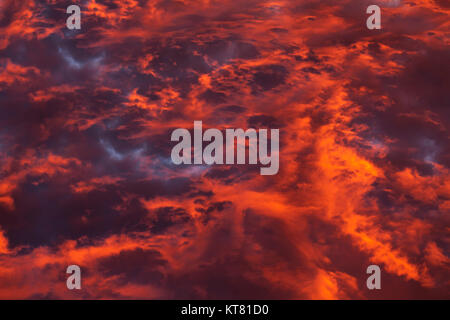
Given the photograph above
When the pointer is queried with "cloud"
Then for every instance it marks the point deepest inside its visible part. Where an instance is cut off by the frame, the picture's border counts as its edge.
(85, 170)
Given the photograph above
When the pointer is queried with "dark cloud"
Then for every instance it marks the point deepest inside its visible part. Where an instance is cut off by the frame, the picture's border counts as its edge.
(138, 266)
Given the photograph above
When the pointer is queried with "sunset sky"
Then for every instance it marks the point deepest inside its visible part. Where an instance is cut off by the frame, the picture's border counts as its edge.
(86, 175)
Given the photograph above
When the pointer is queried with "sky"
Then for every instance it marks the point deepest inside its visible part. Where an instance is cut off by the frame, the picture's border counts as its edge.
(86, 176)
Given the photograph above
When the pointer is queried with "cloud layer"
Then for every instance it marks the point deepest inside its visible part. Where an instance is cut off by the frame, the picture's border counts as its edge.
(86, 176)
